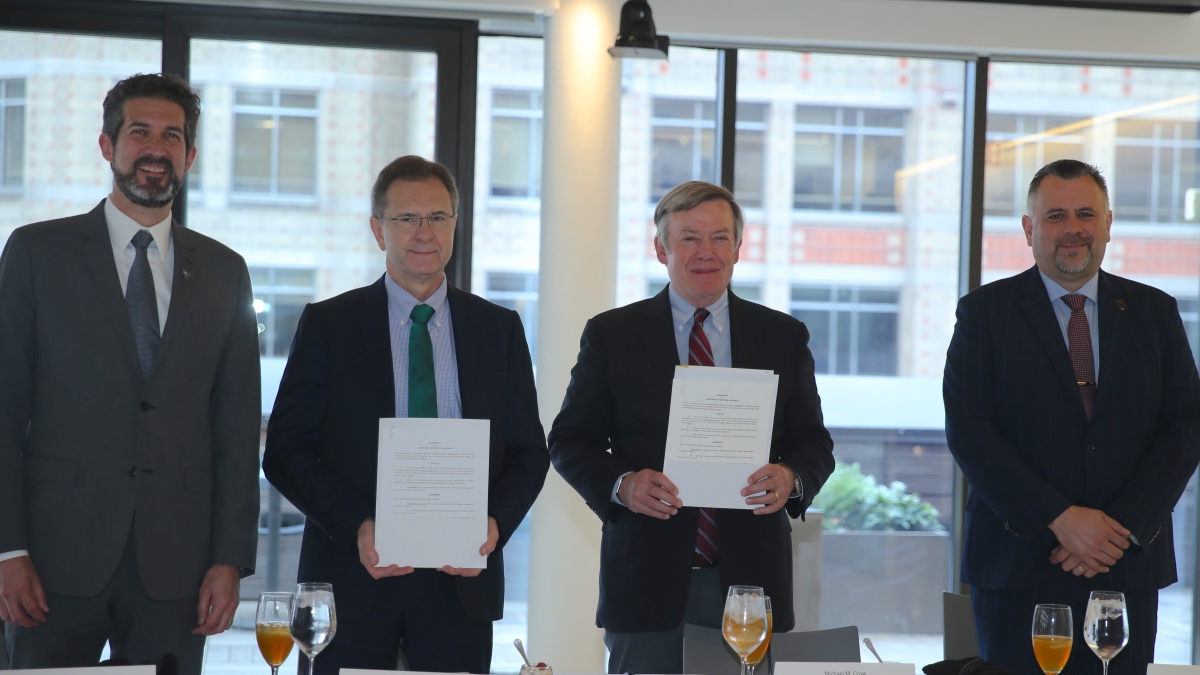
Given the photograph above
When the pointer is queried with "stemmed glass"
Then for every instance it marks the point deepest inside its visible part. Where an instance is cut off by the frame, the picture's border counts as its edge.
(760, 653)
(745, 622)
(314, 620)
(1053, 635)
(1106, 625)
(272, 628)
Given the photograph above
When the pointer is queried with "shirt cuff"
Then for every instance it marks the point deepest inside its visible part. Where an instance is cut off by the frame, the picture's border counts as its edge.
(616, 485)
(12, 554)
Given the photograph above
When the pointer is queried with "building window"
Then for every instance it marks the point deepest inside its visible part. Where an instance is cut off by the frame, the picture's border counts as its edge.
(517, 144)
(280, 295)
(195, 177)
(847, 158)
(1017, 146)
(274, 143)
(749, 157)
(1156, 171)
(684, 144)
(12, 132)
(853, 331)
(517, 291)
(1189, 311)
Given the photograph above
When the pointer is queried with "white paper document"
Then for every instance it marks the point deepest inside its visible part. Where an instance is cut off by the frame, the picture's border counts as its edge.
(719, 432)
(792, 668)
(432, 492)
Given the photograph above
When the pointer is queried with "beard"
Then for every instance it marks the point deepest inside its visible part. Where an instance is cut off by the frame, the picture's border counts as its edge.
(149, 196)
(1076, 265)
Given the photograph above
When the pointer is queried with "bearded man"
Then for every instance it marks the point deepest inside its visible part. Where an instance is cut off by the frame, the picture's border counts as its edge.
(129, 411)
(1073, 408)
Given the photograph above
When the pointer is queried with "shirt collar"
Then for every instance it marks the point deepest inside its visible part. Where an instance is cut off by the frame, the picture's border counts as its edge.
(682, 312)
(121, 229)
(402, 302)
(1090, 290)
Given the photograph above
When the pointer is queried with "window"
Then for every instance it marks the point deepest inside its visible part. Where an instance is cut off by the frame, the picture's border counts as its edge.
(853, 331)
(1017, 146)
(519, 292)
(684, 144)
(275, 143)
(12, 132)
(1155, 173)
(516, 143)
(847, 158)
(280, 295)
(749, 160)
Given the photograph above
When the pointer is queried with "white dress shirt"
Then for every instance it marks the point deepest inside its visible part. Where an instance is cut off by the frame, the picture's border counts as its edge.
(121, 229)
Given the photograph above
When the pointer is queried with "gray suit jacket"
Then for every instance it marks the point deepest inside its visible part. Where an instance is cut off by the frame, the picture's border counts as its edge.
(87, 449)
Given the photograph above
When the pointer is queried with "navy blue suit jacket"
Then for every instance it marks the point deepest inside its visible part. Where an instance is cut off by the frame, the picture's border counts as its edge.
(323, 435)
(1016, 424)
(620, 399)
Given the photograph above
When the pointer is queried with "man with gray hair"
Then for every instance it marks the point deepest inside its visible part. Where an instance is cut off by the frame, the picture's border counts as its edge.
(1073, 408)
(662, 564)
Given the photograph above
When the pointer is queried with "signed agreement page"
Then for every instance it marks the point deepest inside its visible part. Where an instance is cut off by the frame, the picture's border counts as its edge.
(719, 432)
(432, 492)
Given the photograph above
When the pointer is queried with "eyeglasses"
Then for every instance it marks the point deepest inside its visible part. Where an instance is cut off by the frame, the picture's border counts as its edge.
(407, 223)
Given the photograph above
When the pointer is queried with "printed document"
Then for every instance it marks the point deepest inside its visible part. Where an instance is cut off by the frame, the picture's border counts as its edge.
(719, 432)
(432, 492)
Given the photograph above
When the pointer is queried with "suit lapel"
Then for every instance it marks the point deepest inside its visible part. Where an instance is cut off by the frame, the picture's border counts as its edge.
(377, 344)
(98, 256)
(183, 280)
(467, 354)
(745, 344)
(658, 335)
(1110, 311)
(1034, 303)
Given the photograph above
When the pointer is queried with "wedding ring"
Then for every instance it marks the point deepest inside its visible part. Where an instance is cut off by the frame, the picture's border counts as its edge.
(776, 495)
(1080, 568)
(230, 625)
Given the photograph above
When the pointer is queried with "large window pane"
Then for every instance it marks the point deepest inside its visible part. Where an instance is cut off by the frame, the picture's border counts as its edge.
(1138, 125)
(504, 266)
(51, 93)
(272, 115)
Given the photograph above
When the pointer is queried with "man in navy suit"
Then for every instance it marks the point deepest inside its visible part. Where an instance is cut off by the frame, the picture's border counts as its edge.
(408, 345)
(1073, 408)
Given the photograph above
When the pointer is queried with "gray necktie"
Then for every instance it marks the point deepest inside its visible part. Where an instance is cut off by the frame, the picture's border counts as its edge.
(142, 304)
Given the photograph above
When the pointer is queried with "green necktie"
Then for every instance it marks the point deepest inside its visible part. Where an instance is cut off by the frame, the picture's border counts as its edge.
(422, 389)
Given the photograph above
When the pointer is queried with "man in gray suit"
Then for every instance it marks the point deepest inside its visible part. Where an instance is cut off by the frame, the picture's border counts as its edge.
(129, 411)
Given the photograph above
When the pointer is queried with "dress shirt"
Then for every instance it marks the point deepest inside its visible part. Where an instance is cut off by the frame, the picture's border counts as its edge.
(121, 229)
(716, 329)
(441, 334)
(1062, 310)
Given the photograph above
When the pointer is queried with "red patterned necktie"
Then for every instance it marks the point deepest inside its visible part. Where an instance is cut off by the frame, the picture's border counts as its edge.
(700, 354)
(1079, 337)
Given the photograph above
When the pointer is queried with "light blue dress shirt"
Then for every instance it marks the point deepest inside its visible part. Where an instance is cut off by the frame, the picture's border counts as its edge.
(716, 327)
(441, 333)
(1062, 310)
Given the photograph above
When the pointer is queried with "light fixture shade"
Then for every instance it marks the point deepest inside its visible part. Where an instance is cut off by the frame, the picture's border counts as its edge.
(638, 39)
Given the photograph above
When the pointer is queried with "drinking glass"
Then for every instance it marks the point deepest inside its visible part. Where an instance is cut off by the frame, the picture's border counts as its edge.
(1105, 626)
(1053, 635)
(314, 620)
(745, 622)
(272, 628)
(760, 653)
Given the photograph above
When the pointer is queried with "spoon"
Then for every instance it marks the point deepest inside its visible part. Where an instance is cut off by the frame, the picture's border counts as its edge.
(867, 642)
(521, 648)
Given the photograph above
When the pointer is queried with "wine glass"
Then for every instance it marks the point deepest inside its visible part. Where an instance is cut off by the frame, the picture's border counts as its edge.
(1105, 626)
(1053, 635)
(745, 622)
(314, 620)
(760, 652)
(272, 628)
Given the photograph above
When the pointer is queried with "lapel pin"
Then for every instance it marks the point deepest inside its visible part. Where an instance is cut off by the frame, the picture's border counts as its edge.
(188, 275)
(1120, 303)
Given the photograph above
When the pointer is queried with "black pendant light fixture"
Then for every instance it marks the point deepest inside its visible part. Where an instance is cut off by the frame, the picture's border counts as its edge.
(638, 39)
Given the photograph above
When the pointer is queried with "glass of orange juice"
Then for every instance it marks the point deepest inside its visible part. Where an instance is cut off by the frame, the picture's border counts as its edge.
(272, 628)
(745, 622)
(1053, 635)
(759, 654)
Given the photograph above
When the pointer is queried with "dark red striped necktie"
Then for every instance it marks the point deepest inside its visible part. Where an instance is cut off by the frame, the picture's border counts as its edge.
(1079, 340)
(700, 354)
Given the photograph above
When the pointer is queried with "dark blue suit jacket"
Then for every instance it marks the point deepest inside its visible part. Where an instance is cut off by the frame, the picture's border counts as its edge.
(620, 399)
(1016, 424)
(322, 439)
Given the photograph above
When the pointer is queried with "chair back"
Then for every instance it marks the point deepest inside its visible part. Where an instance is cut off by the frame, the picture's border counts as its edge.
(959, 640)
(836, 645)
(705, 652)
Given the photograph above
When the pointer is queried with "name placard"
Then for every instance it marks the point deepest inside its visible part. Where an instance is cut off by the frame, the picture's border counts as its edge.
(845, 669)
(1163, 669)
